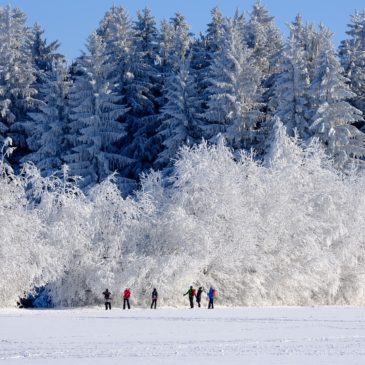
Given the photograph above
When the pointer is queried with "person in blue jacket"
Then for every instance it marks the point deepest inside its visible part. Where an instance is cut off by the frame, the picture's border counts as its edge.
(211, 296)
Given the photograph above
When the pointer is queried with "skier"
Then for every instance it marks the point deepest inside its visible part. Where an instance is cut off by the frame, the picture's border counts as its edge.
(126, 296)
(107, 296)
(191, 293)
(199, 295)
(211, 296)
(154, 298)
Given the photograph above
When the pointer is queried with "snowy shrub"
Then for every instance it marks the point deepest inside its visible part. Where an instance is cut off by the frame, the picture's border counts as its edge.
(25, 254)
(287, 232)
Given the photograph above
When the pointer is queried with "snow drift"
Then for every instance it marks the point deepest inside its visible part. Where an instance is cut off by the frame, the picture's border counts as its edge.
(287, 231)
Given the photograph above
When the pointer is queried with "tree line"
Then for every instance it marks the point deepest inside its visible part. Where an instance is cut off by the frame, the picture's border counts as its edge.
(142, 91)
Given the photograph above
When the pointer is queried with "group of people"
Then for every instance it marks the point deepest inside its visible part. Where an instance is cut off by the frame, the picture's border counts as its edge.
(126, 296)
(191, 292)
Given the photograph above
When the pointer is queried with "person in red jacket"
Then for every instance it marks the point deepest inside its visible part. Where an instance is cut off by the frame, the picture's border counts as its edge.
(126, 296)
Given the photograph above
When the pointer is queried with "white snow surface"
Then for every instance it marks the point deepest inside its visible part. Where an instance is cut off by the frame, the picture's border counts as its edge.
(265, 336)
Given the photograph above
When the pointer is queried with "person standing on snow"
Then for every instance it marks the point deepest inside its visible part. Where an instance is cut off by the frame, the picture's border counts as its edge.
(154, 298)
(211, 296)
(199, 295)
(126, 296)
(107, 297)
(191, 293)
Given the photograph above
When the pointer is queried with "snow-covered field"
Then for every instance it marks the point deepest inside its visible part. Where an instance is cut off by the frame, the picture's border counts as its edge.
(265, 336)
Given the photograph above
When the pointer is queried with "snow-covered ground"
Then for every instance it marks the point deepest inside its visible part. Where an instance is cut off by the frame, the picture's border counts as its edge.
(265, 336)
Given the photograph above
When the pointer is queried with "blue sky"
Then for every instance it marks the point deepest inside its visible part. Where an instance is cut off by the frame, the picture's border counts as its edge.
(71, 21)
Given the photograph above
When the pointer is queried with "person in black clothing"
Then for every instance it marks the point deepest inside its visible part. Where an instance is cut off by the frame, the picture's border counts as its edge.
(199, 295)
(107, 296)
(154, 298)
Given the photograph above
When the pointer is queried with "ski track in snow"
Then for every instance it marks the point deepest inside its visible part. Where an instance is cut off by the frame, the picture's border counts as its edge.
(318, 335)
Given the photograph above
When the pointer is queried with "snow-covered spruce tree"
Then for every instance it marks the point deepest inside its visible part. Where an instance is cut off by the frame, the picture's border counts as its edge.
(50, 122)
(334, 115)
(165, 44)
(17, 75)
(134, 72)
(179, 115)
(44, 57)
(95, 129)
(264, 38)
(234, 104)
(215, 31)
(146, 35)
(175, 47)
(181, 40)
(308, 38)
(43, 54)
(203, 52)
(352, 54)
(290, 98)
(143, 146)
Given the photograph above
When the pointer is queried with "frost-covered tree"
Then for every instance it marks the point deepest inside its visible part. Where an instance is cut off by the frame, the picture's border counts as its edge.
(203, 53)
(352, 53)
(264, 38)
(95, 113)
(180, 121)
(334, 114)
(143, 146)
(175, 42)
(50, 122)
(17, 75)
(147, 36)
(43, 54)
(234, 102)
(290, 99)
(175, 49)
(131, 49)
(25, 253)
(215, 30)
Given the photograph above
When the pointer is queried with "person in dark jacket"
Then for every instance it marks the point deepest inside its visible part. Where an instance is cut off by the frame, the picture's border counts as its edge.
(154, 298)
(199, 295)
(107, 297)
(191, 293)
(126, 296)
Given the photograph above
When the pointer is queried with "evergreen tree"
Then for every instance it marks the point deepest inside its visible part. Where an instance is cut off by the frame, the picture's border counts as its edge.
(352, 53)
(17, 76)
(146, 36)
(175, 42)
(175, 49)
(50, 73)
(234, 104)
(215, 31)
(43, 54)
(264, 38)
(203, 54)
(49, 123)
(334, 115)
(134, 82)
(290, 99)
(144, 123)
(179, 115)
(95, 128)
